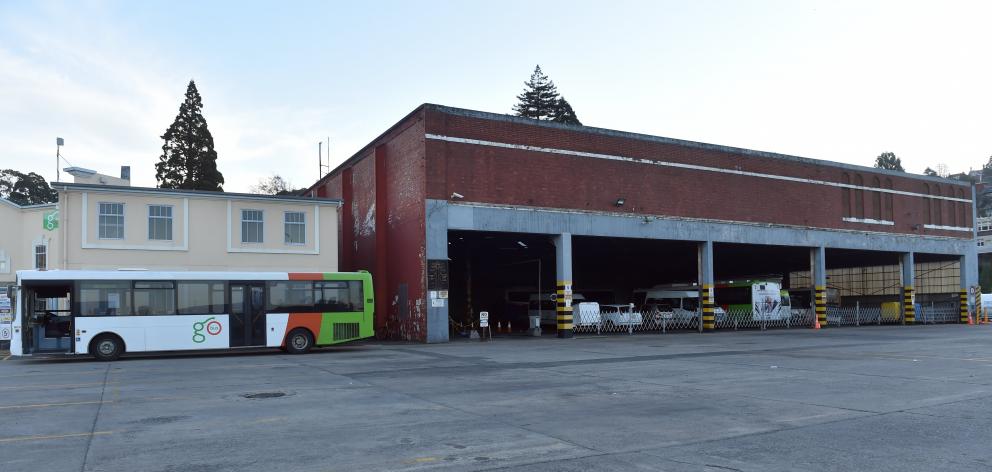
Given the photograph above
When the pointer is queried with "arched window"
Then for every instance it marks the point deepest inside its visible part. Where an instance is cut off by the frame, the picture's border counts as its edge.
(876, 199)
(964, 217)
(937, 206)
(888, 200)
(859, 197)
(845, 195)
(926, 205)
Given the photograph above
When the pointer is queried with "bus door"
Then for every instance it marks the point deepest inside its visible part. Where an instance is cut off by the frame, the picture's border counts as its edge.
(247, 314)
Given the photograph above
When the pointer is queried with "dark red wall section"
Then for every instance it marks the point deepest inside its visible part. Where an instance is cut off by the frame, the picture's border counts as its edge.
(498, 175)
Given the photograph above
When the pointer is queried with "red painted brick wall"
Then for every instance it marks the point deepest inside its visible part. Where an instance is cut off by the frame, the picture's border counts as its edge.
(517, 177)
(383, 225)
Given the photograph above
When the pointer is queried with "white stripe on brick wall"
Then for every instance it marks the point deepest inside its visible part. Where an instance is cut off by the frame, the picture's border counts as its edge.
(680, 165)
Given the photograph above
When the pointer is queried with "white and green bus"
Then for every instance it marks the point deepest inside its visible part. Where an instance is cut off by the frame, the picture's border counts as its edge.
(108, 313)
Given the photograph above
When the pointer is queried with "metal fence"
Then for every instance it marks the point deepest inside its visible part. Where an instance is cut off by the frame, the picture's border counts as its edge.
(933, 313)
(633, 320)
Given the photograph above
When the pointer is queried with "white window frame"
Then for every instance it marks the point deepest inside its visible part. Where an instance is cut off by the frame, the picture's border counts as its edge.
(286, 224)
(100, 214)
(35, 254)
(169, 221)
(261, 225)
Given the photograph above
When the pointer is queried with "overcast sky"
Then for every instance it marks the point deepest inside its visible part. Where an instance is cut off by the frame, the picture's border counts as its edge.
(833, 80)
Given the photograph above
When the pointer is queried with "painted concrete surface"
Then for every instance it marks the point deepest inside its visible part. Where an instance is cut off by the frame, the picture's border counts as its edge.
(871, 398)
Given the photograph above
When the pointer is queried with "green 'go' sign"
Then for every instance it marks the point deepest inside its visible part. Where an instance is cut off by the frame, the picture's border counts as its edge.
(51, 220)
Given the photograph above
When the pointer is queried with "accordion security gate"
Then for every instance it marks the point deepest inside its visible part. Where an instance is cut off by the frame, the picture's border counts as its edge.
(630, 321)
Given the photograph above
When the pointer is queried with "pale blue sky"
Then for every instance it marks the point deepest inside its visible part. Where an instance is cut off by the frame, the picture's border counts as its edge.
(833, 80)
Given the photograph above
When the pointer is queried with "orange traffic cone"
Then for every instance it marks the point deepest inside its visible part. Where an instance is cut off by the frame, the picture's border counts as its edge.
(816, 323)
(970, 321)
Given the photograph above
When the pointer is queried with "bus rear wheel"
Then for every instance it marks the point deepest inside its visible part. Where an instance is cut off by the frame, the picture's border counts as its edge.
(299, 341)
(107, 347)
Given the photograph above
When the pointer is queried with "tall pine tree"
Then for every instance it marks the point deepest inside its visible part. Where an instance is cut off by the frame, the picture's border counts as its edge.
(540, 101)
(539, 98)
(188, 159)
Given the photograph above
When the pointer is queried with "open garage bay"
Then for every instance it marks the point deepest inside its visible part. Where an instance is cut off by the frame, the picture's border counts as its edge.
(876, 398)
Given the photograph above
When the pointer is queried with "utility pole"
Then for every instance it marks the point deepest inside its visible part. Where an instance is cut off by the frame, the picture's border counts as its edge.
(59, 142)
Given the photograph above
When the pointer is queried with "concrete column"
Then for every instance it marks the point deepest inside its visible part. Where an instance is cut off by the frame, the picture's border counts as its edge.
(706, 299)
(437, 251)
(818, 269)
(908, 281)
(563, 271)
(969, 278)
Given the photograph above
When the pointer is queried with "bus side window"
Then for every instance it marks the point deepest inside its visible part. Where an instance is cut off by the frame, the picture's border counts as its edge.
(155, 298)
(200, 298)
(110, 298)
(295, 296)
(339, 295)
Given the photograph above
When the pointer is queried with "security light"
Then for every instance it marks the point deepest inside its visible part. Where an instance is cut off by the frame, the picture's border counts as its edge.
(620, 202)
(521, 243)
(457, 196)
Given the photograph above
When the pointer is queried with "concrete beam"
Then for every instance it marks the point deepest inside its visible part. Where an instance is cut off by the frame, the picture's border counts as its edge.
(477, 217)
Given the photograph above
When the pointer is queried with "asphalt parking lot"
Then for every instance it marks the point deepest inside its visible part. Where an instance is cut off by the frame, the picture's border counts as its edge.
(871, 398)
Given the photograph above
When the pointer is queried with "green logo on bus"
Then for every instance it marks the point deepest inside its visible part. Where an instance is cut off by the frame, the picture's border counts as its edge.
(212, 326)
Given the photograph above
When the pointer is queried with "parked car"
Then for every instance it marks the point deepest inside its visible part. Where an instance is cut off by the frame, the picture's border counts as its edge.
(620, 315)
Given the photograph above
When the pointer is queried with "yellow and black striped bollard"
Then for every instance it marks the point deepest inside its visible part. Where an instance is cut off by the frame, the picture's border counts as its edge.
(908, 309)
(963, 295)
(820, 302)
(563, 310)
(709, 308)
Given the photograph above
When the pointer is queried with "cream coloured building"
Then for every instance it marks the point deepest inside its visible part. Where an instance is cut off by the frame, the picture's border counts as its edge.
(112, 227)
(100, 222)
(25, 241)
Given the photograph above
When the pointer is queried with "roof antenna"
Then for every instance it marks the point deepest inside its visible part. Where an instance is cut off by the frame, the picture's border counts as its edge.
(320, 159)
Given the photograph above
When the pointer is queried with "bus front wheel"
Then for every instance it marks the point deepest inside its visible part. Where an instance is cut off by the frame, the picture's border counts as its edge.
(299, 341)
(107, 347)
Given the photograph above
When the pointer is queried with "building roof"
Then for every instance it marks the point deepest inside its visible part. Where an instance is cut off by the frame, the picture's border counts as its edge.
(193, 193)
(27, 207)
(628, 135)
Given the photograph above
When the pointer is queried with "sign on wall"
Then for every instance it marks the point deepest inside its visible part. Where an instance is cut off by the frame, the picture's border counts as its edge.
(437, 275)
(50, 220)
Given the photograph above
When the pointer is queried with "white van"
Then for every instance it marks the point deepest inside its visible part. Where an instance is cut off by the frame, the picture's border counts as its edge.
(547, 308)
(676, 304)
(586, 314)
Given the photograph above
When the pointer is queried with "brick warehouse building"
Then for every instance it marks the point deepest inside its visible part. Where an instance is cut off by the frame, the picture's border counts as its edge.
(439, 203)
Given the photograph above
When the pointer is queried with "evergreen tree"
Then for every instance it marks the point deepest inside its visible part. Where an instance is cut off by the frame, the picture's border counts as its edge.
(539, 98)
(26, 189)
(563, 113)
(188, 159)
(888, 160)
(930, 172)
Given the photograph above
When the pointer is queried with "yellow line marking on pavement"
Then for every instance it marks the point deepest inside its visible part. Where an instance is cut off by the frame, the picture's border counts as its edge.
(421, 460)
(47, 405)
(56, 436)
